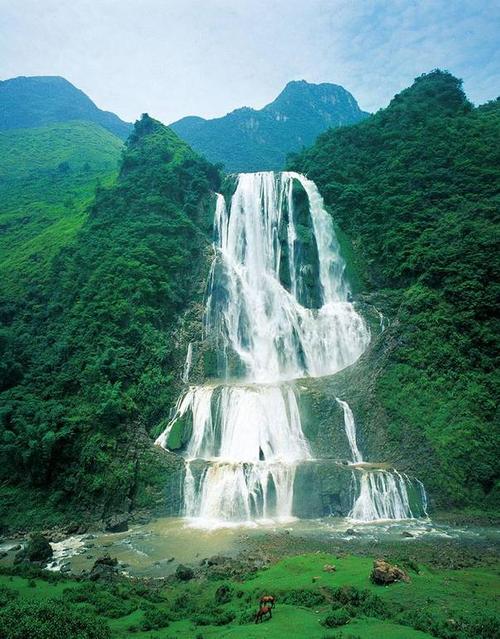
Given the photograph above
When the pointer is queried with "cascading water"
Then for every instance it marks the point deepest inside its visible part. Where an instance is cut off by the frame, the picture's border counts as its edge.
(270, 329)
(350, 431)
(381, 494)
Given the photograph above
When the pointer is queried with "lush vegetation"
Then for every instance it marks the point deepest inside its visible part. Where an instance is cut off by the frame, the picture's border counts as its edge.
(87, 355)
(415, 188)
(442, 603)
(37, 101)
(258, 140)
(48, 178)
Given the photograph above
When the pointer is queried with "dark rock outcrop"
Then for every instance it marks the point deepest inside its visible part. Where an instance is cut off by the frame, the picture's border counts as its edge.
(38, 550)
(117, 523)
(105, 568)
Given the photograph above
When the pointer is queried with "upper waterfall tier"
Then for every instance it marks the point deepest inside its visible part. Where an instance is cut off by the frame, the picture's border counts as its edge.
(278, 302)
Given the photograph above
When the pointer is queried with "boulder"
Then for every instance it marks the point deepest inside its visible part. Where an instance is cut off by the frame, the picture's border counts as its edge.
(117, 523)
(405, 533)
(329, 568)
(104, 568)
(37, 550)
(384, 573)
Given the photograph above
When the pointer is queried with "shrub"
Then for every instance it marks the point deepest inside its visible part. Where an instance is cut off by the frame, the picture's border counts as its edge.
(306, 598)
(50, 620)
(224, 594)
(108, 602)
(184, 573)
(337, 618)
(154, 618)
(7, 595)
(214, 617)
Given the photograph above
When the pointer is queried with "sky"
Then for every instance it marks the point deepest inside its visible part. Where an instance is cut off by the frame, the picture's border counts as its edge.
(173, 58)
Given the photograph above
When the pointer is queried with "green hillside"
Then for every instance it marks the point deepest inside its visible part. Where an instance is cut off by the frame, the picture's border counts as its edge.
(87, 356)
(259, 140)
(48, 176)
(415, 189)
(35, 101)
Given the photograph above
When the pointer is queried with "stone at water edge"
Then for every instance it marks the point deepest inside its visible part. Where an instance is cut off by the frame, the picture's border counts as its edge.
(117, 523)
(384, 573)
(37, 550)
(104, 568)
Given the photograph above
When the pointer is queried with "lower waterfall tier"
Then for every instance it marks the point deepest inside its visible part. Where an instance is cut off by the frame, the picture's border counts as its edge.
(239, 492)
(220, 493)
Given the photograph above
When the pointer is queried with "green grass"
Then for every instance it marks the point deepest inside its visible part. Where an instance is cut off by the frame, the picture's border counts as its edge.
(441, 595)
(48, 177)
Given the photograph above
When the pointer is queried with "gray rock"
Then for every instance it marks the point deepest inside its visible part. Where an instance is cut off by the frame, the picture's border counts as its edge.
(117, 523)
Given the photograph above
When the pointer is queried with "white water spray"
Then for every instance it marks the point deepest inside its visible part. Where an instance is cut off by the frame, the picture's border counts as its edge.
(249, 433)
(380, 494)
(350, 430)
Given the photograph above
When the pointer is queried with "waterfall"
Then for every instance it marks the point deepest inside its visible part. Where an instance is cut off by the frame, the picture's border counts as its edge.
(257, 319)
(381, 494)
(187, 364)
(388, 495)
(277, 310)
(350, 430)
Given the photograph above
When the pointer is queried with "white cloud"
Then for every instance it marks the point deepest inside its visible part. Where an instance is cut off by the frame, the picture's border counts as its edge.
(173, 58)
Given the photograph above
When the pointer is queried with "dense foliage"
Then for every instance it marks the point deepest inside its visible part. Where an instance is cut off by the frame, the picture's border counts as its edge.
(415, 188)
(87, 357)
(258, 140)
(36, 101)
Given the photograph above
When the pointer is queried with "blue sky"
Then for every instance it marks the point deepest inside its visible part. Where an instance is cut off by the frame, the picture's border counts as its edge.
(207, 57)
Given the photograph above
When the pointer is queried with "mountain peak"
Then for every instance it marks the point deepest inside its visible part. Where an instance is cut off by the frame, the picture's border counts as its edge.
(256, 140)
(33, 101)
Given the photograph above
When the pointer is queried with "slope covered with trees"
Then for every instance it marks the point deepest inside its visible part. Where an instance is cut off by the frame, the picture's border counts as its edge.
(87, 355)
(259, 140)
(415, 188)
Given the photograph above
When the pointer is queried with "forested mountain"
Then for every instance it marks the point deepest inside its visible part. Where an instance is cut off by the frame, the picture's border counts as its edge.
(415, 189)
(257, 140)
(95, 291)
(28, 102)
(86, 350)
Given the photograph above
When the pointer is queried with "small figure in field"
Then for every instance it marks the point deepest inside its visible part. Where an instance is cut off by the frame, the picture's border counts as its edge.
(268, 600)
(264, 610)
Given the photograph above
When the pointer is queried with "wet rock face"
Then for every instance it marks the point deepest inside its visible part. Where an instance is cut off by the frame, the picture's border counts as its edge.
(117, 523)
(384, 573)
(38, 550)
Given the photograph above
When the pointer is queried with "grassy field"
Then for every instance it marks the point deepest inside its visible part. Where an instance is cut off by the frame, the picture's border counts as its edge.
(48, 177)
(451, 604)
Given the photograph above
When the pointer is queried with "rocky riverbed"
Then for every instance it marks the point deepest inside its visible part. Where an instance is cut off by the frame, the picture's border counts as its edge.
(156, 549)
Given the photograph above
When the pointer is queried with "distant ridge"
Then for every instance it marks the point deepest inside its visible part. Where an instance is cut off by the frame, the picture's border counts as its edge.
(35, 101)
(250, 140)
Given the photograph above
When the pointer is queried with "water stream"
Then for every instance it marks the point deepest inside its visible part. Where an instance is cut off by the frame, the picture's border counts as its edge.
(278, 309)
